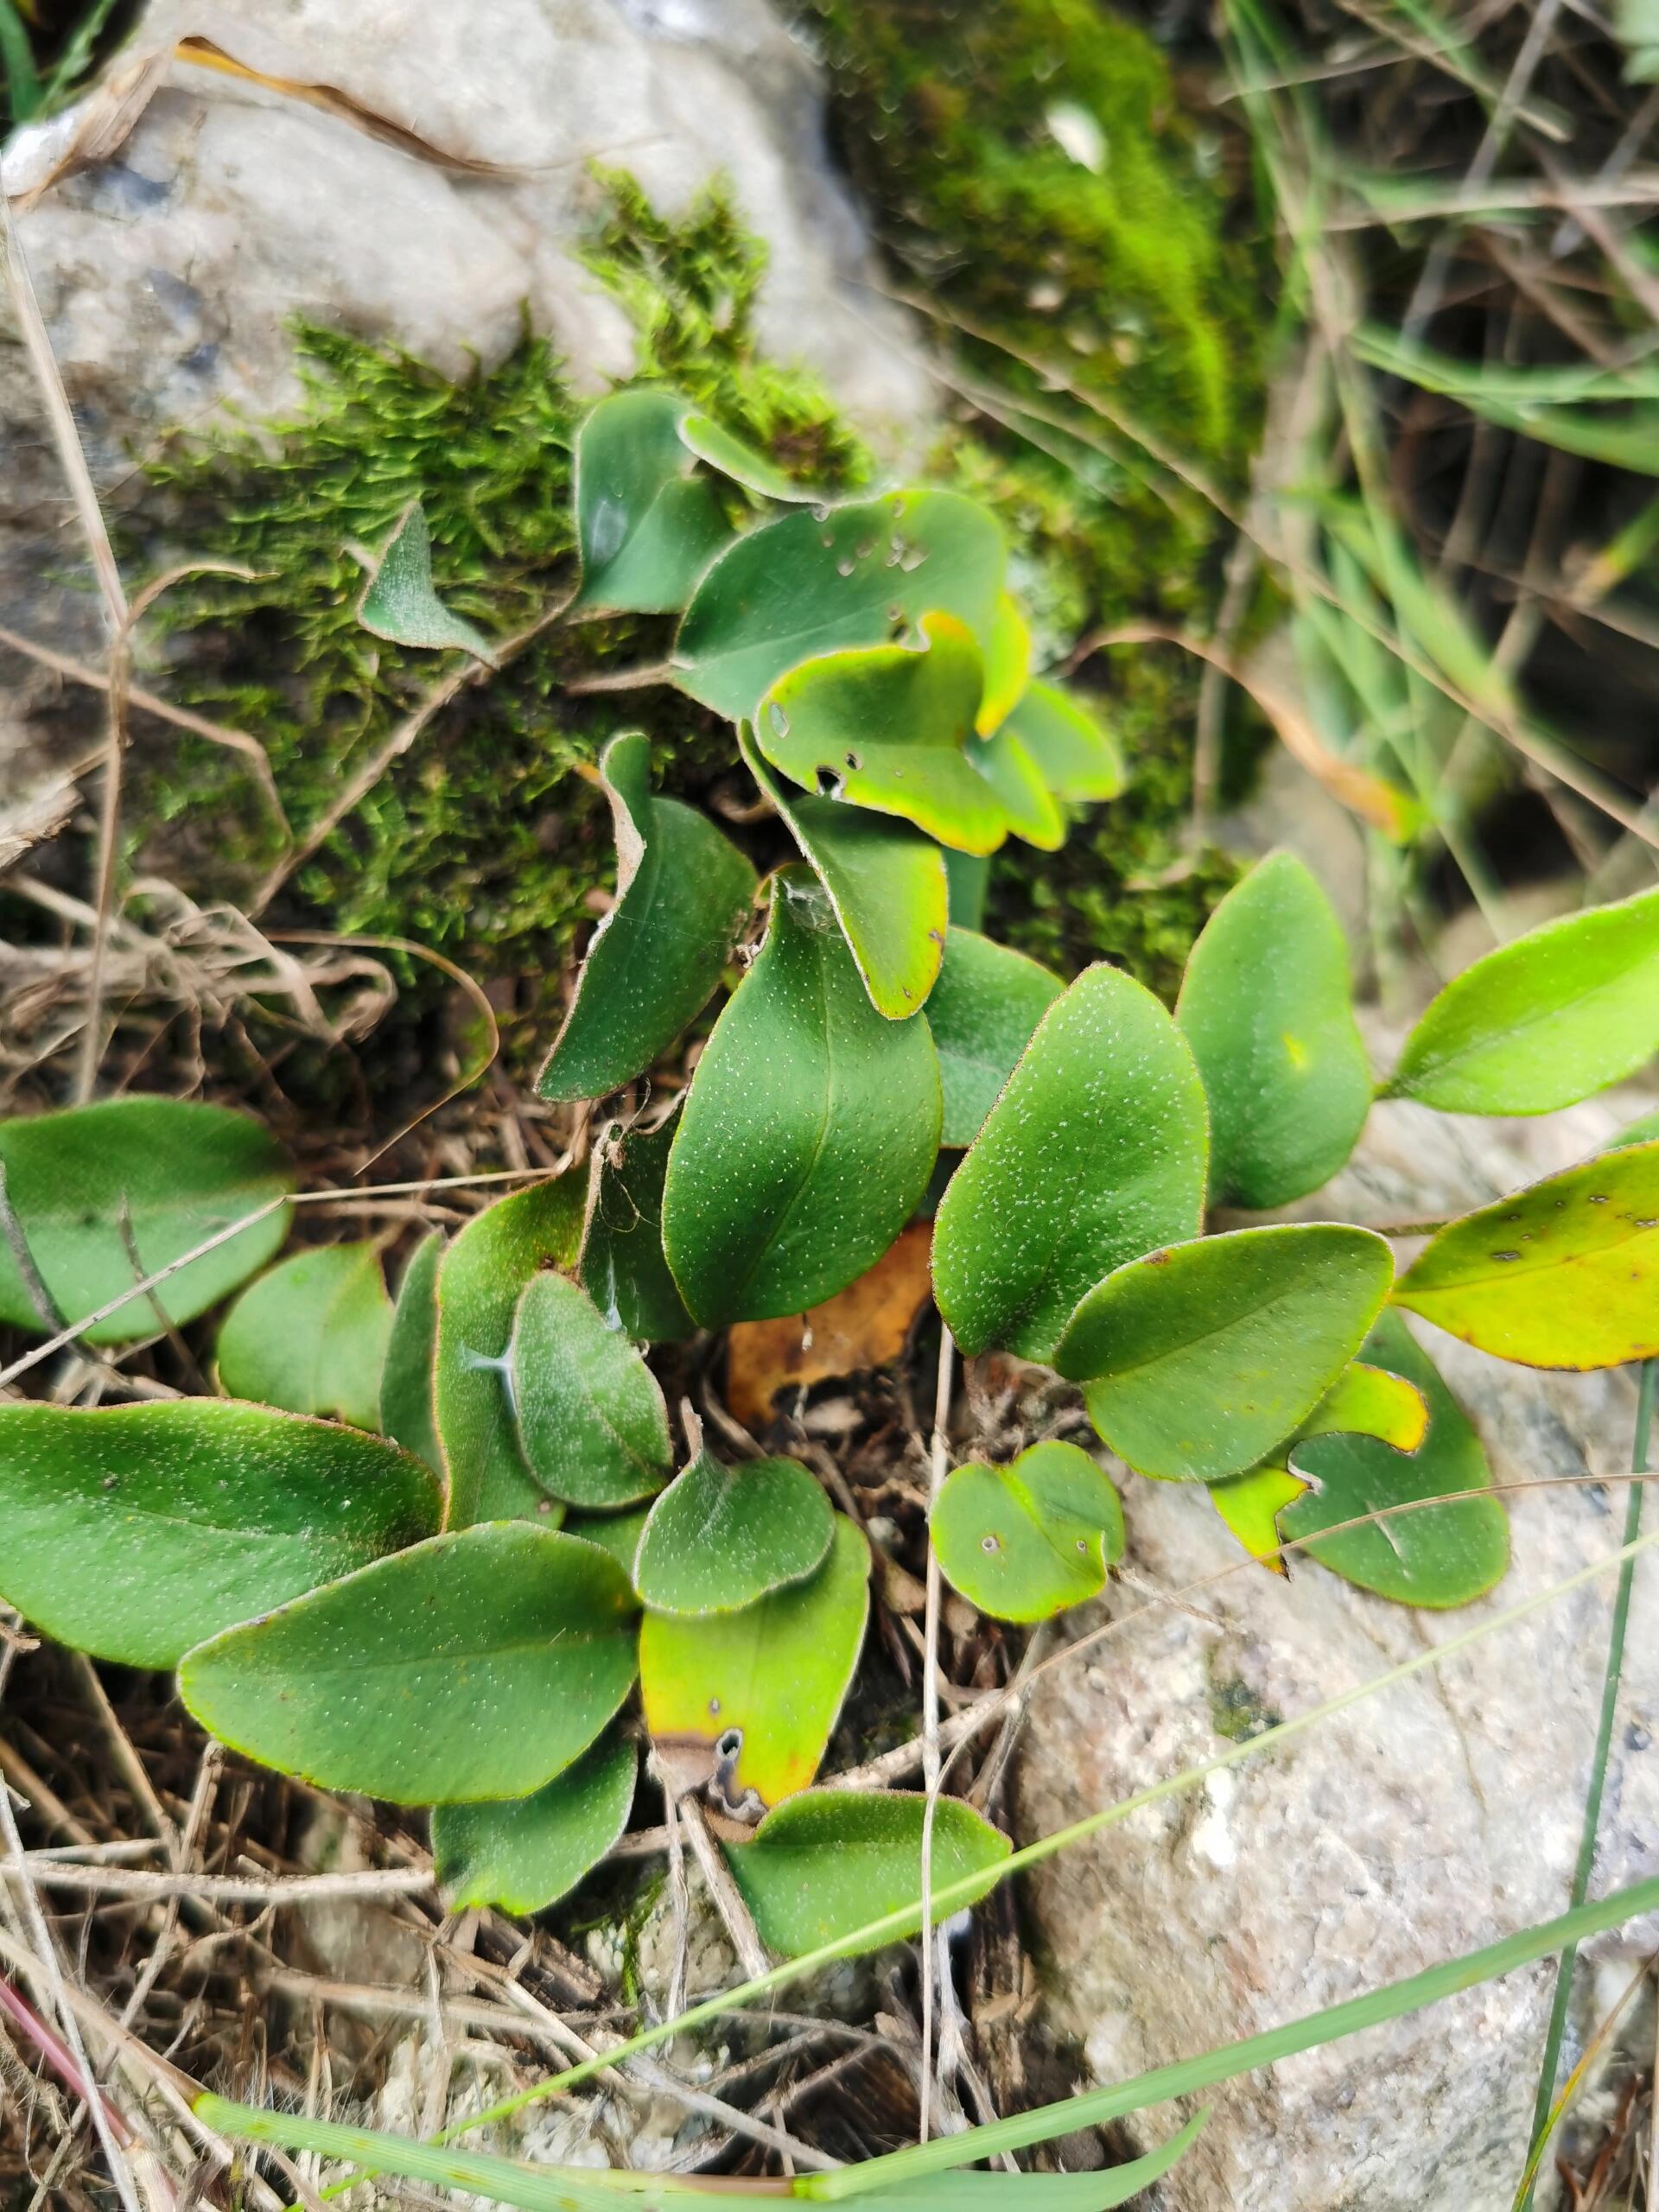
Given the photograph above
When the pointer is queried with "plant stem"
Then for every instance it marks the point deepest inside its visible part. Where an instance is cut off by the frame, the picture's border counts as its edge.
(1586, 1860)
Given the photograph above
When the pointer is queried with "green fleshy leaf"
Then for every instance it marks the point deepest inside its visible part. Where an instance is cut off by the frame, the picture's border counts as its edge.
(407, 1412)
(1267, 1004)
(524, 1853)
(719, 1537)
(647, 521)
(884, 727)
(1643, 1130)
(984, 1008)
(480, 1280)
(133, 1532)
(1023, 1543)
(619, 1533)
(829, 1860)
(1094, 1153)
(1443, 1556)
(682, 895)
(1075, 753)
(592, 1423)
(1196, 1361)
(168, 1172)
(399, 603)
(475, 1665)
(1030, 809)
(886, 881)
(1564, 1274)
(818, 581)
(1007, 664)
(1562, 1012)
(311, 1335)
(736, 457)
(623, 1267)
(755, 1694)
(968, 876)
(810, 1133)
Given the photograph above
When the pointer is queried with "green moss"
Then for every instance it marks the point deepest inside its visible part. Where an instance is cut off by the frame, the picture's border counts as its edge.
(478, 841)
(1235, 1712)
(1122, 279)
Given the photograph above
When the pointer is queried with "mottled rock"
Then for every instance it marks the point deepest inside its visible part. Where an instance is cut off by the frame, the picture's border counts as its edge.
(1437, 1816)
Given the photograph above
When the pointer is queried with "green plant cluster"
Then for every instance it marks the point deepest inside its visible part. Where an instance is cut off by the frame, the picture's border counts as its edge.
(1121, 280)
(425, 1549)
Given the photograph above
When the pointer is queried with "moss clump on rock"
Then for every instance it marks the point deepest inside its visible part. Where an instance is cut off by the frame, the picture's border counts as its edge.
(479, 841)
(1030, 167)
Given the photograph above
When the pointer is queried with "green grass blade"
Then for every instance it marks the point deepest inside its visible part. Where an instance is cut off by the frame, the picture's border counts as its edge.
(1542, 2118)
(1097, 2108)
(76, 58)
(23, 82)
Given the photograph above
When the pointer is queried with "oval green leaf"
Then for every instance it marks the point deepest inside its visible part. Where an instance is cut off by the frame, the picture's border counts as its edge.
(524, 1853)
(816, 583)
(1562, 1012)
(476, 1665)
(830, 1861)
(884, 727)
(1007, 664)
(1094, 1153)
(311, 1335)
(1197, 1361)
(1025, 1541)
(480, 1280)
(1028, 806)
(1075, 753)
(719, 1537)
(623, 1267)
(166, 1173)
(592, 1422)
(736, 457)
(619, 1533)
(1565, 1273)
(407, 1414)
(1444, 1555)
(682, 895)
(886, 881)
(987, 1003)
(810, 1133)
(1267, 1004)
(647, 521)
(755, 1694)
(399, 603)
(133, 1532)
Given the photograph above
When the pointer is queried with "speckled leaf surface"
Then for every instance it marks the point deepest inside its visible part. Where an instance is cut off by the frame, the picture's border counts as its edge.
(175, 1172)
(475, 1665)
(1444, 1555)
(592, 1423)
(988, 1002)
(719, 1537)
(830, 1861)
(524, 1853)
(1094, 1153)
(623, 1267)
(819, 581)
(753, 1695)
(480, 1280)
(682, 896)
(1562, 1012)
(400, 604)
(311, 1335)
(1197, 1360)
(810, 1133)
(1267, 1004)
(885, 879)
(1564, 1274)
(1024, 1541)
(407, 1412)
(133, 1532)
(885, 727)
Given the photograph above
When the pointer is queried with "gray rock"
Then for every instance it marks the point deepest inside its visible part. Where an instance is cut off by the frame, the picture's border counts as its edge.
(1438, 1816)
